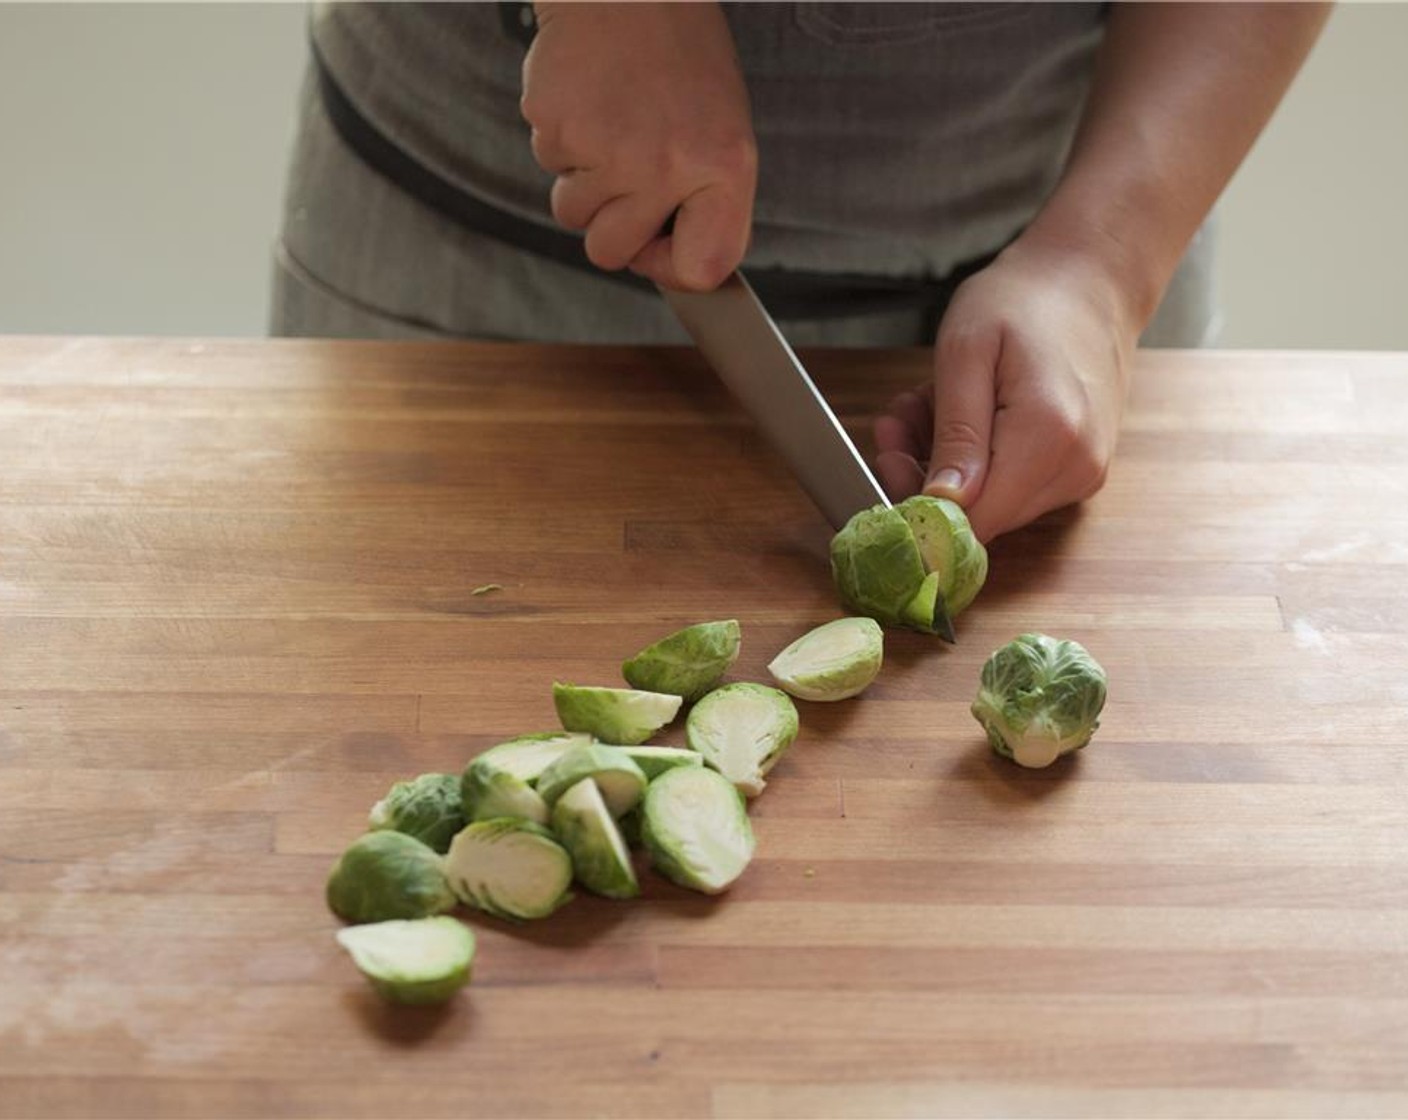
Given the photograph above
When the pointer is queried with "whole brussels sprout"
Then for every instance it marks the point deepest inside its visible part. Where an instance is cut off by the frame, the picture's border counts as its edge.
(386, 875)
(1039, 698)
(915, 565)
(427, 807)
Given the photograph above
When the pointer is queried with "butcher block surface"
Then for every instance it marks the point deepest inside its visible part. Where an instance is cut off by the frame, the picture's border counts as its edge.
(238, 600)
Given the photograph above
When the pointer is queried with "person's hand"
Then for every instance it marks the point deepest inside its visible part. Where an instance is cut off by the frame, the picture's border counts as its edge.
(641, 112)
(1030, 373)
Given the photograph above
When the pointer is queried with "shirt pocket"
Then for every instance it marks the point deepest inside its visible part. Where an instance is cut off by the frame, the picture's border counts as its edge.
(892, 24)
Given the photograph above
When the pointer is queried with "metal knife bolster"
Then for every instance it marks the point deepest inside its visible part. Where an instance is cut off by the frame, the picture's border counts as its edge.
(741, 342)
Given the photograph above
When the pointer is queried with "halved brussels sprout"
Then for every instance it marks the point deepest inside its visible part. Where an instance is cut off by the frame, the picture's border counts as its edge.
(832, 662)
(614, 715)
(489, 792)
(621, 780)
(947, 546)
(654, 761)
(385, 875)
(527, 756)
(688, 663)
(427, 807)
(587, 830)
(696, 829)
(915, 565)
(415, 962)
(742, 730)
(510, 868)
(1039, 698)
(629, 827)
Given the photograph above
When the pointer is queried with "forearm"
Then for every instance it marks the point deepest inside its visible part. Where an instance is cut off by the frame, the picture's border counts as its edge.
(1180, 94)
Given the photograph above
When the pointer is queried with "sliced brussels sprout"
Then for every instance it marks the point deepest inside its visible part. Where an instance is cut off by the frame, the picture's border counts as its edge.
(742, 730)
(947, 546)
(527, 756)
(614, 715)
(654, 761)
(509, 868)
(926, 610)
(629, 827)
(688, 663)
(695, 827)
(587, 830)
(427, 807)
(1039, 698)
(386, 875)
(621, 780)
(916, 565)
(832, 662)
(416, 962)
(489, 792)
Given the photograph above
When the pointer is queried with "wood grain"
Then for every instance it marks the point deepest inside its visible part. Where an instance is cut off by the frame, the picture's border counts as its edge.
(236, 603)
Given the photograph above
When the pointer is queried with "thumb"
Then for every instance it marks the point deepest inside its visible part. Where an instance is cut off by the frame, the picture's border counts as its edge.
(965, 369)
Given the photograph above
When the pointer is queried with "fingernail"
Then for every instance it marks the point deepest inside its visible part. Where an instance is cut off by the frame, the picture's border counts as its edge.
(946, 479)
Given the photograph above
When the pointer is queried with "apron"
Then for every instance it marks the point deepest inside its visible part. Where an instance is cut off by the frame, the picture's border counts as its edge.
(901, 145)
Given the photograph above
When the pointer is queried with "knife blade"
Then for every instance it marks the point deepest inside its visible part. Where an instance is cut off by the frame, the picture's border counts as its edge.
(739, 339)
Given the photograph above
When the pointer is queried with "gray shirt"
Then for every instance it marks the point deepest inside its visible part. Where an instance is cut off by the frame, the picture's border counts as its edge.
(894, 139)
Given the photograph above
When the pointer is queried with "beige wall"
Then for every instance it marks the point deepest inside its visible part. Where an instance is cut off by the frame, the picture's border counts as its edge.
(1315, 225)
(142, 148)
(141, 156)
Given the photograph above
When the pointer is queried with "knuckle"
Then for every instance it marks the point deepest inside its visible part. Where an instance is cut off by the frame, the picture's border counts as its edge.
(736, 158)
(607, 252)
(959, 436)
(958, 338)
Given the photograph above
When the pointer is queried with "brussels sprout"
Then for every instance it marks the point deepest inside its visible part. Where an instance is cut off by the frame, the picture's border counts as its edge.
(832, 662)
(417, 962)
(742, 730)
(527, 756)
(654, 761)
(509, 868)
(388, 875)
(621, 780)
(586, 829)
(489, 792)
(688, 663)
(614, 715)
(947, 546)
(629, 827)
(902, 566)
(427, 807)
(1039, 698)
(696, 829)
(876, 564)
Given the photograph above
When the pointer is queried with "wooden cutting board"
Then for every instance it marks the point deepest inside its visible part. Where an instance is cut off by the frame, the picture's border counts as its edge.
(236, 603)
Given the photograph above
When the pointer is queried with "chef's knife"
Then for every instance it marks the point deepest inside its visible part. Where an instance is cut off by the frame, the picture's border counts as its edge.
(741, 342)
